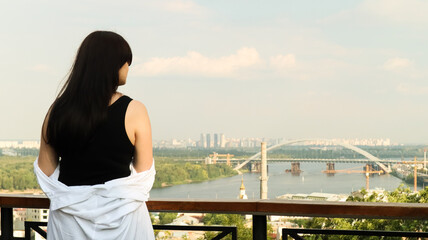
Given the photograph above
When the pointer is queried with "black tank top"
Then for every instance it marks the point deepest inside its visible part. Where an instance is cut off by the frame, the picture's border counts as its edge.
(107, 156)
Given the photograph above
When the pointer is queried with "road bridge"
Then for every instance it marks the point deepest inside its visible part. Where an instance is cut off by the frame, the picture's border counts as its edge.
(321, 160)
(366, 154)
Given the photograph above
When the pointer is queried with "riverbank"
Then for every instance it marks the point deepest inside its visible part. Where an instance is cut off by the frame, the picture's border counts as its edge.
(189, 181)
(422, 181)
(177, 173)
(25, 192)
(16, 174)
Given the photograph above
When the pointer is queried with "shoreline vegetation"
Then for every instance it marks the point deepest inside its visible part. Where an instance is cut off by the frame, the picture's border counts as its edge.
(17, 176)
(176, 173)
(409, 179)
(189, 181)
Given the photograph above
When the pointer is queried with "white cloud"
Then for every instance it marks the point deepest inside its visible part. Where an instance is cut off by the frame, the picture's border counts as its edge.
(406, 12)
(407, 89)
(324, 69)
(41, 68)
(246, 63)
(397, 63)
(196, 64)
(282, 62)
(397, 11)
(182, 6)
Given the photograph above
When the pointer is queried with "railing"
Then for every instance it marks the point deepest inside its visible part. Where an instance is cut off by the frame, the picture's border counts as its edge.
(258, 208)
(294, 233)
(222, 231)
(36, 227)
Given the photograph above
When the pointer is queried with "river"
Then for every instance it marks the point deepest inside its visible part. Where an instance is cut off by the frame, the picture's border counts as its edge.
(280, 182)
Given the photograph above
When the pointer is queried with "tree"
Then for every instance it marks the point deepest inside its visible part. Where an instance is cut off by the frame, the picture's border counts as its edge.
(7, 182)
(165, 217)
(401, 194)
(228, 220)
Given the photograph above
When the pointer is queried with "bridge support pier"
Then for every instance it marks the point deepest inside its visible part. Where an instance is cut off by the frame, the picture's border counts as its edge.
(330, 169)
(295, 168)
(255, 167)
(369, 167)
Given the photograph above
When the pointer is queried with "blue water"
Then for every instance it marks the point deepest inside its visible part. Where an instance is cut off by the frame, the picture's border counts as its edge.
(279, 183)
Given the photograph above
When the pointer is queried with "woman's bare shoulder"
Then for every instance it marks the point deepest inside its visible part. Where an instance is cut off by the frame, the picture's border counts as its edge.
(137, 107)
(137, 111)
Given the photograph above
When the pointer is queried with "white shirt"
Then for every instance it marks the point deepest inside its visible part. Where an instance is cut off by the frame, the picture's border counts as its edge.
(113, 210)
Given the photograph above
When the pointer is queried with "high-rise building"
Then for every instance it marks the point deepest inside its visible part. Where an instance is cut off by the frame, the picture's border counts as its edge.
(222, 141)
(216, 140)
(203, 141)
(208, 140)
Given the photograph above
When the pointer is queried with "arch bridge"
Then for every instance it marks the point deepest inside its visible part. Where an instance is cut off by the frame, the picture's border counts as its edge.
(345, 145)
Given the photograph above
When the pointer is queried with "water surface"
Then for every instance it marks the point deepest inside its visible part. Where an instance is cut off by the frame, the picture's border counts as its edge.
(280, 182)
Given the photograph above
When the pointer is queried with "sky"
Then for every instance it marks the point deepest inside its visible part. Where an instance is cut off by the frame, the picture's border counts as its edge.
(273, 69)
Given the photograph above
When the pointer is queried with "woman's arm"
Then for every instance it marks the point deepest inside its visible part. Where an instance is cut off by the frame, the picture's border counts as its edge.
(48, 158)
(137, 124)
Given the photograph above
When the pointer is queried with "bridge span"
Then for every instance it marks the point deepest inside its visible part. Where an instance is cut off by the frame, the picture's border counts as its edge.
(328, 160)
(321, 160)
(366, 154)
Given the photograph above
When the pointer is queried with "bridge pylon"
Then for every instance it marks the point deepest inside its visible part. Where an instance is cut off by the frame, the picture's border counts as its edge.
(255, 167)
(295, 168)
(330, 169)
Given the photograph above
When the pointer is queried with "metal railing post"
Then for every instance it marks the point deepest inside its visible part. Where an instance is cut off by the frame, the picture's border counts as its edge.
(259, 227)
(6, 224)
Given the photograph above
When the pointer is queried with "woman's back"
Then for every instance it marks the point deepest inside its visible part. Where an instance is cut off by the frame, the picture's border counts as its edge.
(107, 156)
(87, 142)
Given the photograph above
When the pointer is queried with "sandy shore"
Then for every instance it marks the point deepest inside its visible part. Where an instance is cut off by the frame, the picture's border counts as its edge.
(28, 191)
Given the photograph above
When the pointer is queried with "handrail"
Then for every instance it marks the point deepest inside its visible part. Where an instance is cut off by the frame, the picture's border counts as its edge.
(258, 207)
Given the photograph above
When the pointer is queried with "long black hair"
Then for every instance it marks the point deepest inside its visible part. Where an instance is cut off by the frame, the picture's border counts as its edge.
(83, 101)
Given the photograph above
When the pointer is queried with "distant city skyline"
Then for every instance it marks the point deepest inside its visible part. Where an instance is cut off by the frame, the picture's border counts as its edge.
(236, 142)
(294, 69)
(224, 142)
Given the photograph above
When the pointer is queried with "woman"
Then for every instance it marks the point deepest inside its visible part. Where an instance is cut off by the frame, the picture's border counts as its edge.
(96, 160)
